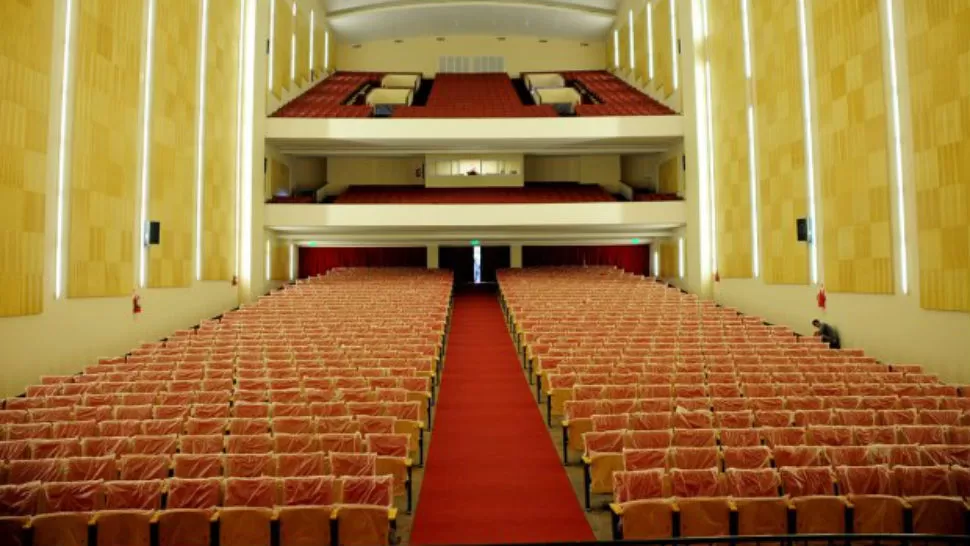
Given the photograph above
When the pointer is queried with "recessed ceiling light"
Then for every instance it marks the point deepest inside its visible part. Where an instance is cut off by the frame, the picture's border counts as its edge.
(355, 46)
(501, 38)
(440, 38)
(398, 41)
(543, 41)
(583, 44)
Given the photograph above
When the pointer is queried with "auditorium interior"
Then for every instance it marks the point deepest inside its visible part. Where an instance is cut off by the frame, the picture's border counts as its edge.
(438, 272)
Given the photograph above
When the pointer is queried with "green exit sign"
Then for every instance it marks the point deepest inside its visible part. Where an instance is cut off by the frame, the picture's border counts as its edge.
(476, 242)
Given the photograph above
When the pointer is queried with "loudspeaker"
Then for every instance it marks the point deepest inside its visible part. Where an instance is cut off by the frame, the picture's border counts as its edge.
(154, 233)
(801, 227)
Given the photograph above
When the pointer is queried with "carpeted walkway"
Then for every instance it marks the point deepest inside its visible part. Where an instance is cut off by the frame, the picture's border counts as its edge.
(493, 475)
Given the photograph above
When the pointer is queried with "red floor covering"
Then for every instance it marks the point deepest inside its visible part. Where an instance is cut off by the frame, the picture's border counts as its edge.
(493, 475)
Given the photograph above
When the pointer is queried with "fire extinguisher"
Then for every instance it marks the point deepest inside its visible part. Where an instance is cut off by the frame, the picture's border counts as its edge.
(820, 297)
(135, 303)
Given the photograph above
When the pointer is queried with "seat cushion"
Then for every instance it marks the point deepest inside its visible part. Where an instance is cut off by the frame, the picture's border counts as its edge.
(647, 519)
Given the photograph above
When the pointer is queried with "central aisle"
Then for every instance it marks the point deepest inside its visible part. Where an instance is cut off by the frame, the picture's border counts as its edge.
(493, 475)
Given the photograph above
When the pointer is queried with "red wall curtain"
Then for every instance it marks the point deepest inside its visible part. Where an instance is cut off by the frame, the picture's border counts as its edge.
(632, 258)
(318, 260)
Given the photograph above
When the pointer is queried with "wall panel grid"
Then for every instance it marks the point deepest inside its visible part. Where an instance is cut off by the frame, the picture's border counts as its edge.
(938, 50)
(783, 193)
(220, 147)
(173, 160)
(669, 259)
(319, 46)
(105, 141)
(663, 51)
(302, 45)
(725, 46)
(853, 151)
(640, 42)
(625, 45)
(282, 46)
(25, 73)
(280, 261)
(277, 178)
(668, 176)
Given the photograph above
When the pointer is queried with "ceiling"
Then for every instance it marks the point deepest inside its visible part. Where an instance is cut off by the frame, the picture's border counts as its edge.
(357, 21)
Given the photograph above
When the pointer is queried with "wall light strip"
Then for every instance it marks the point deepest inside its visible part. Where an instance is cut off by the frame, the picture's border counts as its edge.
(326, 50)
(753, 181)
(616, 48)
(293, 46)
(809, 141)
(292, 262)
(200, 147)
(656, 263)
(237, 269)
(246, 180)
(146, 144)
(59, 235)
(898, 150)
(271, 50)
(681, 258)
(633, 40)
(650, 40)
(269, 260)
(673, 39)
(312, 44)
(710, 140)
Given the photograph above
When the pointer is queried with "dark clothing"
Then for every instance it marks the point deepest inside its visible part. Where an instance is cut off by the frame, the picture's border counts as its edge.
(829, 335)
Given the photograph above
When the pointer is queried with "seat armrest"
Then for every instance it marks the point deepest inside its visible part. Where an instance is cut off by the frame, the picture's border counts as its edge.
(616, 508)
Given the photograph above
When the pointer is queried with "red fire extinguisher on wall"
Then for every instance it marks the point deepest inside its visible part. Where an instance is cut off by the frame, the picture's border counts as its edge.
(135, 303)
(820, 297)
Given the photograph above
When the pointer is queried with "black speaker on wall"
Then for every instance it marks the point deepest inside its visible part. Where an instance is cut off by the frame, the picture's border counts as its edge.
(803, 230)
(154, 233)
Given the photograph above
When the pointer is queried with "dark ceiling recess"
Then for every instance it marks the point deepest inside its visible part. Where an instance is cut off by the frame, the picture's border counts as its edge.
(440, 38)
(501, 38)
(355, 46)
(583, 44)
(398, 41)
(543, 41)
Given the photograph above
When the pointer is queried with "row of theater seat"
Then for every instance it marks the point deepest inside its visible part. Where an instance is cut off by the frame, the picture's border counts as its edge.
(553, 194)
(474, 96)
(326, 99)
(184, 512)
(332, 370)
(617, 98)
(860, 499)
(708, 380)
(476, 111)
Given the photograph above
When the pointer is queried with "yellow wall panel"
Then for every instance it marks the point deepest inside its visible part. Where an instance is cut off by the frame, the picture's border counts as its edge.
(280, 262)
(938, 48)
(669, 176)
(640, 41)
(319, 45)
(625, 46)
(174, 122)
(610, 50)
(663, 51)
(732, 174)
(669, 259)
(282, 46)
(25, 63)
(104, 147)
(853, 153)
(302, 46)
(780, 140)
(277, 178)
(221, 140)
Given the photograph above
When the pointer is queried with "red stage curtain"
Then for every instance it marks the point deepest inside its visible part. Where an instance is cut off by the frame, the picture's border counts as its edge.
(632, 258)
(318, 260)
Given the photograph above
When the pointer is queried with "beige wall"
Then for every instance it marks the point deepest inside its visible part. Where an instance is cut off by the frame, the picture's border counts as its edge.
(308, 173)
(372, 171)
(421, 54)
(639, 171)
(603, 170)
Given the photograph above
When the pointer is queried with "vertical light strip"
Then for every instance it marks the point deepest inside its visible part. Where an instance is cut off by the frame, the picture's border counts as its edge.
(898, 150)
(633, 40)
(293, 46)
(312, 44)
(292, 262)
(326, 50)
(681, 258)
(59, 235)
(752, 162)
(673, 38)
(753, 181)
(240, 47)
(200, 147)
(616, 48)
(809, 142)
(146, 144)
(710, 140)
(656, 263)
(269, 260)
(271, 50)
(248, 82)
(650, 40)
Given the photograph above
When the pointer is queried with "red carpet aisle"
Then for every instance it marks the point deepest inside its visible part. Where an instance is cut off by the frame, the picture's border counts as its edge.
(493, 475)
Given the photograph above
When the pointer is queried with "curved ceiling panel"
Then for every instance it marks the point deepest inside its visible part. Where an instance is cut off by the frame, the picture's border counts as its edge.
(368, 20)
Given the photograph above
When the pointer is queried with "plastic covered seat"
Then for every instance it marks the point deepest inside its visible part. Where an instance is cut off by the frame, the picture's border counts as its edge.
(293, 425)
(352, 464)
(110, 446)
(774, 437)
(127, 527)
(735, 419)
(603, 456)
(363, 525)
(154, 445)
(301, 464)
(344, 443)
(56, 449)
(921, 434)
(248, 426)
(605, 423)
(305, 525)
(197, 466)
(79, 469)
(696, 483)
(370, 424)
(74, 429)
(637, 421)
(249, 444)
(85, 497)
(308, 491)
(245, 525)
(893, 455)
(199, 427)
(39, 470)
(805, 418)
(118, 429)
(28, 431)
(189, 507)
(144, 467)
(161, 427)
(693, 419)
(894, 417)
(739, 437)
(390, 445)
(19, 499)
(249, 465)
(874, 435)
(855, 418)
(939, 417)
(958, 435)
(133, 495)
(747, 457)
(644, 459)
(295, 443)
(705, 517)
(807, 481)
(760, 509)
(694, 438)
(775, 418)
(60, 529)
(848, 455)
(694, 457)
(946, 455)
(799, 456)
(649, 439)
(337, 425)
